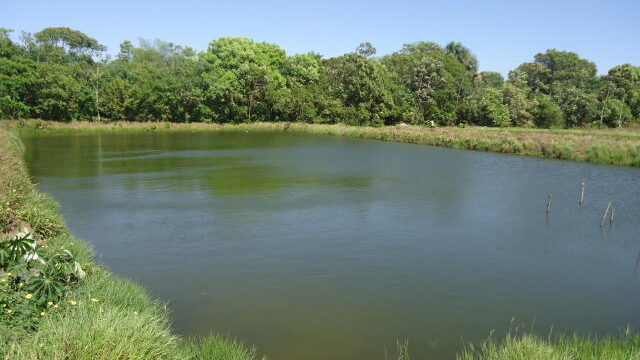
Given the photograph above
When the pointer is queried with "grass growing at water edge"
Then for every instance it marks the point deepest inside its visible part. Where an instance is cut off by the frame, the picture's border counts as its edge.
(564, 347)
(603, 146)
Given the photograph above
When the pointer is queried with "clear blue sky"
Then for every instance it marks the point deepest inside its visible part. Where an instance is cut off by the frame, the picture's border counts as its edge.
(502, 34)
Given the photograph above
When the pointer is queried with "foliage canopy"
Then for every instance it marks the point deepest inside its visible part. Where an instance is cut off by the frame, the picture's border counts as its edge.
(54, 75)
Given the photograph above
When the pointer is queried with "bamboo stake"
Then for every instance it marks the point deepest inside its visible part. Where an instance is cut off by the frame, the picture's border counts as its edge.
(613, 213)
(549, 203)
(606, 212)
(581, 193)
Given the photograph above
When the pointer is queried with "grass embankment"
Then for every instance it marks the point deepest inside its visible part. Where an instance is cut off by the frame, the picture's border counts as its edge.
(99, 317)
(602, 146)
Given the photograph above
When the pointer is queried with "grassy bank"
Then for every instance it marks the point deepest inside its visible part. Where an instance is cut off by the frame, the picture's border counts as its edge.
(100, 316)
(602, 146)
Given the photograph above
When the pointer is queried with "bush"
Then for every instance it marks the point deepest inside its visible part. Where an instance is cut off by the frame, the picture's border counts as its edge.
(548, 114)
(615, 113)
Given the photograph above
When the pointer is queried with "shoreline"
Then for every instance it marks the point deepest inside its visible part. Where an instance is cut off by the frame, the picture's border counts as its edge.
(83, 329)
(599, 146)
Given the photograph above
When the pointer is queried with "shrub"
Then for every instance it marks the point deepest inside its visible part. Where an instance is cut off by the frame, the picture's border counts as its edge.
(548, 114)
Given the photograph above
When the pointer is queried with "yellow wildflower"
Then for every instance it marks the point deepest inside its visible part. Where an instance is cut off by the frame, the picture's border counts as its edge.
(94, 300)
(43, 313)
(135, 313)
(50, 303)
(29, 296)
(55, 306)
(9, 311)
(72, 302)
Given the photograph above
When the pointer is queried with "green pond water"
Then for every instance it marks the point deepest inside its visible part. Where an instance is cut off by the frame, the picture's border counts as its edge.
(314, 247)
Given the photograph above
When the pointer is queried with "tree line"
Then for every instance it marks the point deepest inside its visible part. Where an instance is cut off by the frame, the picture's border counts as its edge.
(62, 74)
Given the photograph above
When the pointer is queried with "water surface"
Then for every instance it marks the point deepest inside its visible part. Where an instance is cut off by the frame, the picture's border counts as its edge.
(315, 247)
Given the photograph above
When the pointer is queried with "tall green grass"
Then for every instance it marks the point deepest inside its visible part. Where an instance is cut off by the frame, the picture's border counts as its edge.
(104, 318)
(112, 318)
(218, 347)
(564, 347)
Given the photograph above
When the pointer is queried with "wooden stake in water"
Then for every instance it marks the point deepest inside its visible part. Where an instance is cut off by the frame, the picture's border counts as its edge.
(606, 212)
(549, 203)
(613, 213)
(581, 193)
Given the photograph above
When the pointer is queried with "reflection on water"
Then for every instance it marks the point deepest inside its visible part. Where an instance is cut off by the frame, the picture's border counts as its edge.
(328, 248)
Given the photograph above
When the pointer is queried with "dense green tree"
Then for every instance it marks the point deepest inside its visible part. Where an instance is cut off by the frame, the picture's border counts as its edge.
(421, 47)
(18, 80)
(64, 93)
(569, 80)
(615, 113)
(548, 114)
(302, 69)
(463, 54)
(439, 83)
(533, 76)
(579, 107)
(126, 51)
(8, 48)
(69, 39)
(61, 44)
(366, 49)
(302, 74)
(490, 108)
(521, 107)
(233, 52)
(568, 67)
(427, 79)
(61, 74)
(489, 78)
(623, 82)
(363, 87)
(156, 81)
(246, 81)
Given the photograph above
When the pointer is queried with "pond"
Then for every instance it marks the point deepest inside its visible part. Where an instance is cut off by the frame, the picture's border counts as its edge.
(319, 247)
